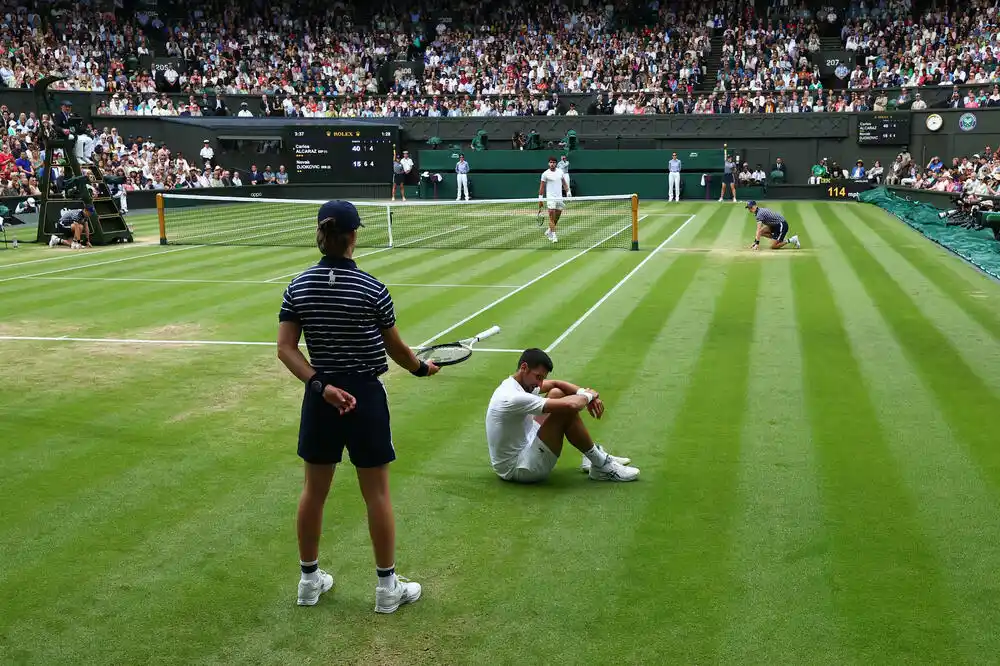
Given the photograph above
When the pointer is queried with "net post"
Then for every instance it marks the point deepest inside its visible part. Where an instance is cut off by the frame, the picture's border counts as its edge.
(388, 220)
(635, 222)
(162, 218)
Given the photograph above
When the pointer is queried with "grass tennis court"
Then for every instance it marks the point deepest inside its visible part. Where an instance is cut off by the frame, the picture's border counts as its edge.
(817, 430)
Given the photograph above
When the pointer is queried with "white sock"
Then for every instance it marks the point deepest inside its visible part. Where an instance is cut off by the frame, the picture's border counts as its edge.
(386, 577)
(597, 457)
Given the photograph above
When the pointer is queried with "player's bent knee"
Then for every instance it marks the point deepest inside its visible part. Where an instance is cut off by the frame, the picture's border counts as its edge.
(556, 393)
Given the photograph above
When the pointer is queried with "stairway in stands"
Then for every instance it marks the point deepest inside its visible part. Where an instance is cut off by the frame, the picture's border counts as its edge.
(712, 64)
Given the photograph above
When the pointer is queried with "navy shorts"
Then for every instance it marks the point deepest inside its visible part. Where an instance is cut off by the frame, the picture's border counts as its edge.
(364, 431)
(778, 231)
(728, 179)
(399, 178)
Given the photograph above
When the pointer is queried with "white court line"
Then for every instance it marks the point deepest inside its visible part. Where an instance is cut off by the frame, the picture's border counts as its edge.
(70, 254)
(101, 263)
(615, 288)
(523, 286)
(196, 281)
(368, 254)
(224, 343)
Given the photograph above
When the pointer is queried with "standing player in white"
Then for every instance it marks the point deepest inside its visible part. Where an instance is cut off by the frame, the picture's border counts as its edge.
(525, 431)
(553, 191)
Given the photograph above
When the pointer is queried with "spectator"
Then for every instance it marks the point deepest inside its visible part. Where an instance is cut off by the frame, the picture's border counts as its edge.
(281, 178)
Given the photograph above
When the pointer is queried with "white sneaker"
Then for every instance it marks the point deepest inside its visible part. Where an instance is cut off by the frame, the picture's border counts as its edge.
(554, 238)
(54, 241)
(720, 199)
(795, 241)
(309, 590)
(586, 464)
(612, 471)
(387, 600)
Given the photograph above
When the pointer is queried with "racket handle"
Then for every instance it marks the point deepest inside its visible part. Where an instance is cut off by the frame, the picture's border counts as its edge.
(493, 330)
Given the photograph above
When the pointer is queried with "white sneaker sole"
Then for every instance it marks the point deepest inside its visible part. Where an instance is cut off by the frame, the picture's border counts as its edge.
(402, 602)
(312, 601)
(604, 476)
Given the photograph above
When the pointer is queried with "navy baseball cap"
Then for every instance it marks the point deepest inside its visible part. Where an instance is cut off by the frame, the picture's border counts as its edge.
(342, 215)
(751, 204)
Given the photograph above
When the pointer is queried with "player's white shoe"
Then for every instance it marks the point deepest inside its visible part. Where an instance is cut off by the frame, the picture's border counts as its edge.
(586, 464)
(388, 599)
(795, 241)
(612, 471)
(721, 199)
(54, 241)
(309, 590)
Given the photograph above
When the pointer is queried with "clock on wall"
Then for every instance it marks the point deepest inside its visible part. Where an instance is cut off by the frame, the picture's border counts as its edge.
(934, 122)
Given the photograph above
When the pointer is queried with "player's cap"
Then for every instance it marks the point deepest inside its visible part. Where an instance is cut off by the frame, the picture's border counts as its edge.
(751, 204)
(66, 102)
(341, 215)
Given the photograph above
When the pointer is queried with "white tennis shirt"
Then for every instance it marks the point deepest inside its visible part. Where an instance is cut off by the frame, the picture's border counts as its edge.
(510, 425)
(553, 183)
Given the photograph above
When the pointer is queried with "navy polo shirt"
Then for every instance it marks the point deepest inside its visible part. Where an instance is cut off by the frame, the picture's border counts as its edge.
(342, 311)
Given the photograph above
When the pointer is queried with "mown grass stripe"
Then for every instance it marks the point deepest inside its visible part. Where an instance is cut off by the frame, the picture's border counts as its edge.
(691, 551)
(953, 499)
(951, 275)
(886, 582)
(976, 345)
(969, 404)
(780, 603)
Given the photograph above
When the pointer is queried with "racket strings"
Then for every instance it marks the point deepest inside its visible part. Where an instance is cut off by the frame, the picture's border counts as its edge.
(445, 354)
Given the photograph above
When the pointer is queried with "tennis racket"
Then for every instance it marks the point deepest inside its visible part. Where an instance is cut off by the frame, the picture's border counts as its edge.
(538, 216)
(451, 353)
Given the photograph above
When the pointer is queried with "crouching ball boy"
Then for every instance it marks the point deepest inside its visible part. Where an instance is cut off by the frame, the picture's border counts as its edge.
(530, 415)
(771, 225)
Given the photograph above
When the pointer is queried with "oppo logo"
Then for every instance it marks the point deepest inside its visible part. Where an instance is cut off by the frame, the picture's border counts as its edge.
(256, 194)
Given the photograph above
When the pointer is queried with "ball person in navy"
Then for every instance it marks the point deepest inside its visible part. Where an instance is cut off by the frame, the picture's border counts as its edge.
(349, 323)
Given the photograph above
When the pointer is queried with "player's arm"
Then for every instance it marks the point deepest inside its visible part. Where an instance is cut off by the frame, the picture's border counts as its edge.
(594, 404)
(541, 191)
(86, 228)
(565, 184)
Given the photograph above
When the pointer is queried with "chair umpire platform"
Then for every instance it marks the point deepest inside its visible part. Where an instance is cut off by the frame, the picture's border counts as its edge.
(107, 226)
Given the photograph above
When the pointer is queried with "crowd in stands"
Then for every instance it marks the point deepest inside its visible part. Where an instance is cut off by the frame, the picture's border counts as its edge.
(142, 163)
(317, 59)
(978, 174)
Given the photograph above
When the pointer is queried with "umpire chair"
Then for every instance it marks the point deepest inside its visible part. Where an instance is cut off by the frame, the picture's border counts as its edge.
(108, 225)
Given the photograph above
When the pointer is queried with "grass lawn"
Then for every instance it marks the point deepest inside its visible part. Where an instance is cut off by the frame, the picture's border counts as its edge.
(817, 431)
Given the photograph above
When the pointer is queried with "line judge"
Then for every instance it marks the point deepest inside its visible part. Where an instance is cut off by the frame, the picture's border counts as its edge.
(674, 179)
(349, 323)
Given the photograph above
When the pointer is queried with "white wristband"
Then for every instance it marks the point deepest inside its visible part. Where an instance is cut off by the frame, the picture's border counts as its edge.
(541, 198)
(590, 396)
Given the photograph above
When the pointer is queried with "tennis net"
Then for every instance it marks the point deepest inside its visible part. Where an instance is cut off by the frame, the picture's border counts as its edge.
(597, 222)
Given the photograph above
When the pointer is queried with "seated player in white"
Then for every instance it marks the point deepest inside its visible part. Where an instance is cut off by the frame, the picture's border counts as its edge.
(525, 430)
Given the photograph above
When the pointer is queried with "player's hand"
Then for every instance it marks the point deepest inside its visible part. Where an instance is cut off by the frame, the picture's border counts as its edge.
(755, 247)
(339, 398)
(431, 369)
(596, 408)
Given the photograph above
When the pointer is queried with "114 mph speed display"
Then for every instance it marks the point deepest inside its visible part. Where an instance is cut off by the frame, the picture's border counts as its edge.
(343, 153)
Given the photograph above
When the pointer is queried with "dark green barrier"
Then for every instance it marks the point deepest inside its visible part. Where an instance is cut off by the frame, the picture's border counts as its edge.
(443, 161)
(525, 185)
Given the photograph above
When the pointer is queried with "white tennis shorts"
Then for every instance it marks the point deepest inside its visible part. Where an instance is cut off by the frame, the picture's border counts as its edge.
(535, 462)
(556, 204)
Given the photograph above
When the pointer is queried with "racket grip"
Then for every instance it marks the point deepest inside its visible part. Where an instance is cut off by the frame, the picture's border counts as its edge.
(493, 330)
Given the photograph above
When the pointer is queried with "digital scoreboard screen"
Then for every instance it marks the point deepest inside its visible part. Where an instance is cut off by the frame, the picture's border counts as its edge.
(883, 129)
(343, 153)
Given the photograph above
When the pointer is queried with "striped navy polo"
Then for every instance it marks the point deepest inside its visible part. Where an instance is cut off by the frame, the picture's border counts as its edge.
(768, 216)
(342, 311)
